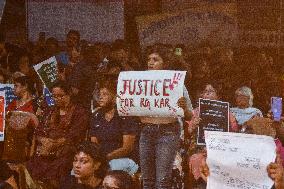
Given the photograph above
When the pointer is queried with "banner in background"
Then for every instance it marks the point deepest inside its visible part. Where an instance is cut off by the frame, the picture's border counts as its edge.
(97, 21)
(188, 27)
(150, 93)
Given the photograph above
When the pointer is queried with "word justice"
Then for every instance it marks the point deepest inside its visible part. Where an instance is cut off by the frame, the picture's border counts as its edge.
(147, 87)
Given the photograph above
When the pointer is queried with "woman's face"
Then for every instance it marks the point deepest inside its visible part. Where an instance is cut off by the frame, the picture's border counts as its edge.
(19, 89)
(110, 183)
(242, 101)
(84, 165)
(155, 62)
(106, 98)
(209, 93)
(60, 97)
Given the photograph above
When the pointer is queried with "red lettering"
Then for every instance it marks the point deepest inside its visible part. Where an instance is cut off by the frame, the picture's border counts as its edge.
(167, 102)
(156, 86)
(121, 101)
(146, 86)
(131, 92)
(131, 102)
(144, 102)
(156, 103)
(152, 86)
(165, 86)
(125, 86)
(140, 87)
(162, 103)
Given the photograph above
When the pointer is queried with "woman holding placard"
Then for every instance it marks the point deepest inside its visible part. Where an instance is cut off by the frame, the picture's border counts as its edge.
(159, 141)
(207, 90)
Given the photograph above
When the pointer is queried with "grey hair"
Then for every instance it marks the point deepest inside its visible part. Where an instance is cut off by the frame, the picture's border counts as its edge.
(246, 91)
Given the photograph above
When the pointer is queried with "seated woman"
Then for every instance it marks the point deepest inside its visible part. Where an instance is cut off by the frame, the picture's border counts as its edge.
(65, 128)
(244, 102)
(118, 180)
(160, 136)
(21, 122)
(88, 167)
(116, 136)
(207, 91)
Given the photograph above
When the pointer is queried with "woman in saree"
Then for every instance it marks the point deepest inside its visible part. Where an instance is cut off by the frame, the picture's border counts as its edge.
(65, 127)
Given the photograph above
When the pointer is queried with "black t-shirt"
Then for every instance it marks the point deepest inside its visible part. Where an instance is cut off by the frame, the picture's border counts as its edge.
(110, 134)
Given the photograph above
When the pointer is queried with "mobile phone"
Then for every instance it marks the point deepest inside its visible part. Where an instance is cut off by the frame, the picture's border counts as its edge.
(276, 108)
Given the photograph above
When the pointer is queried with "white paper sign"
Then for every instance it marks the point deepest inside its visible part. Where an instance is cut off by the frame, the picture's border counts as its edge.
(239, 161)
(47, 72)
(150, 93)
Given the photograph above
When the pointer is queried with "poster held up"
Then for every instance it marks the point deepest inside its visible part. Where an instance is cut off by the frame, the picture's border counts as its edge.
(150, 93)
(48, 97)
(214, 117)
(8, 89)
(234, 164)
(48, 72)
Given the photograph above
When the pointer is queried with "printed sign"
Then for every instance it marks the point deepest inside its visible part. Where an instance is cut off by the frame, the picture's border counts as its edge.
(214, 117)
(47, 71)
(48, 97)
(9, 92)
(150, 93)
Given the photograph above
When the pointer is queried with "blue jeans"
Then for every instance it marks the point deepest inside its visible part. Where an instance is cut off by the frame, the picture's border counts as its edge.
(158, 147)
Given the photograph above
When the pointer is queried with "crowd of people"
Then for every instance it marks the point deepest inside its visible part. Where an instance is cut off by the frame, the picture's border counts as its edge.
(82, 142)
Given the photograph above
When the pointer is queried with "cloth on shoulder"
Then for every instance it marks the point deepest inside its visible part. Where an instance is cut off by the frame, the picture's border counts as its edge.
(243, 115)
